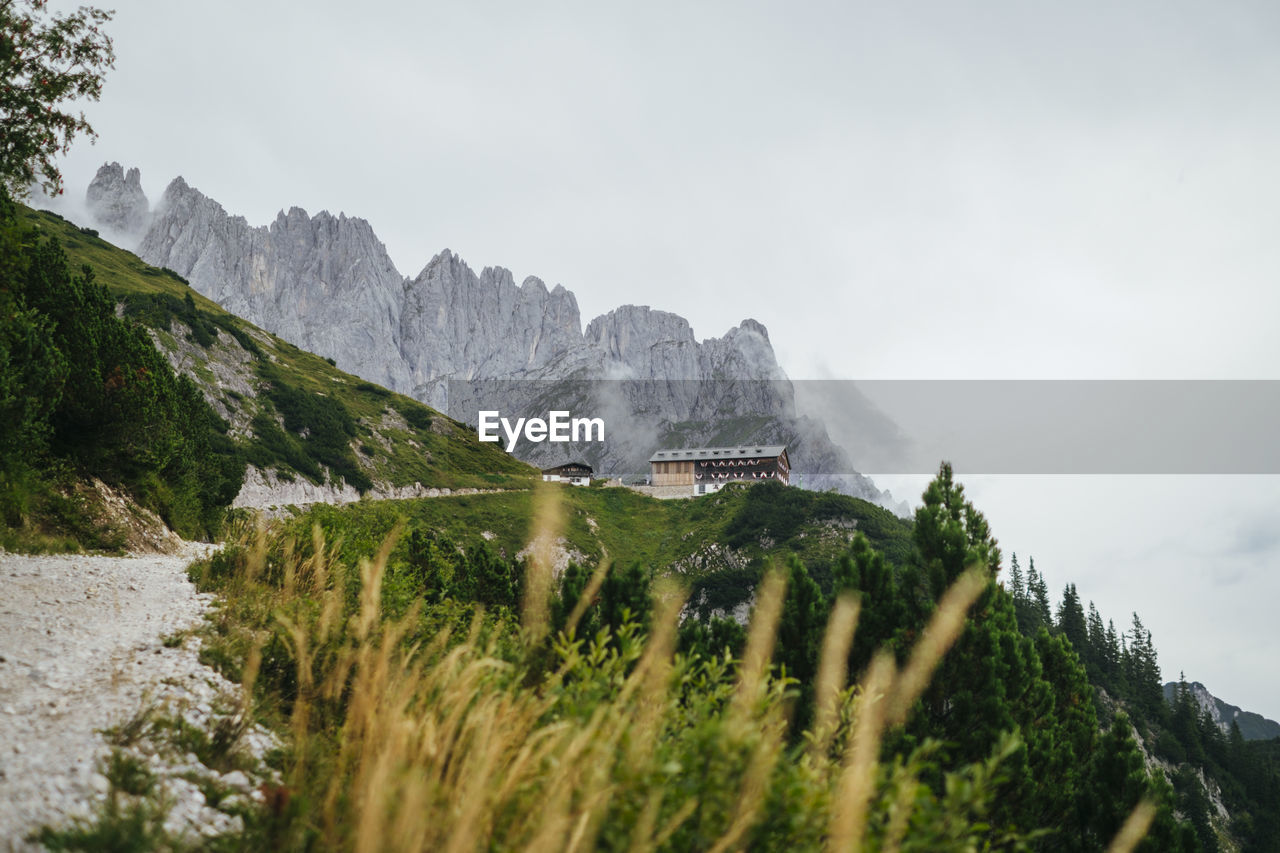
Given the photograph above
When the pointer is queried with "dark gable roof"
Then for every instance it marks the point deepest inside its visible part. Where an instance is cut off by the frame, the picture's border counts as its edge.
(568, 466)
(700, 454)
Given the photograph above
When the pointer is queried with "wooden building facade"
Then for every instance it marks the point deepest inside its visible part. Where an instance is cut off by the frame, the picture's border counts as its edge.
(708, 469)
(573, 473)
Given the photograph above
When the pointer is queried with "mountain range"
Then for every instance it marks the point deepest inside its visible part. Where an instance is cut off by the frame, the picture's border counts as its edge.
(327, 284)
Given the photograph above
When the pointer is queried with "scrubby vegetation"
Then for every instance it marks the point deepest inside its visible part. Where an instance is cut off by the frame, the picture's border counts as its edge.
(159, 309)
(316, 434)
(441, 694)
(85, 394)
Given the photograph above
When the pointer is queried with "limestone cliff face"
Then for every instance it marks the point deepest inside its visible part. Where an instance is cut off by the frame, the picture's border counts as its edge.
(327, 284)
(323, 282)
(459, 325)
(116, 201)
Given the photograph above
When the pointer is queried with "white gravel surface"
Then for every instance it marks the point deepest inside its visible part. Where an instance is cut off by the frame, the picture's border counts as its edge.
(81, 650)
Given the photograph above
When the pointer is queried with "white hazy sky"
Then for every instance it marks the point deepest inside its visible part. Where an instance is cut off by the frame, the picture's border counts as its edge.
(908, 190)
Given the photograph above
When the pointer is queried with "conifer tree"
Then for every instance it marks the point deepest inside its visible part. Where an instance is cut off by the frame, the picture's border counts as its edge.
(1095, 656)
(1071, 622)
(1142, 671)
(1115, 654)
(884, 613)
(1016, 583)
(804, 618)
(1038, 593)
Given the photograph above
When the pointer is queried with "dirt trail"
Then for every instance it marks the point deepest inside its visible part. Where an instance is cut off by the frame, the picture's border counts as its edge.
(81, 650)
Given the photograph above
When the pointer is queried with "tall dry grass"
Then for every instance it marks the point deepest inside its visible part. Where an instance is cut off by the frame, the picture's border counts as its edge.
(445, 744)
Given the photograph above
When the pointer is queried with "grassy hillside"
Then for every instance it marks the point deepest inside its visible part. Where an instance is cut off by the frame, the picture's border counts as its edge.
(720, 544)
(288, 410)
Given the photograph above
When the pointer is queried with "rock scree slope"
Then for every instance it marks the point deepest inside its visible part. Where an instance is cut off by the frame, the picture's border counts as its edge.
(81, 650)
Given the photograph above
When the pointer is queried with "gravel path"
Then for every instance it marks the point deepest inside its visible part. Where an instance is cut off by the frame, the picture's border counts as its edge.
(81, 650)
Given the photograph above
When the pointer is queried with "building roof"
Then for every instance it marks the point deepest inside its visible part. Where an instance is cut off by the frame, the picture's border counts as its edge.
(571, 466)
(700, 454)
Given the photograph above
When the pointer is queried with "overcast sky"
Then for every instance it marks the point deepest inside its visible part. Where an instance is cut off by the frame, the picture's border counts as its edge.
(897, 190)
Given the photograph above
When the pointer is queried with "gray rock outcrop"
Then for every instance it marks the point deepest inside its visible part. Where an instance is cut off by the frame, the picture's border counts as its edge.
(324, 283)
(117, 203)
(459, 325)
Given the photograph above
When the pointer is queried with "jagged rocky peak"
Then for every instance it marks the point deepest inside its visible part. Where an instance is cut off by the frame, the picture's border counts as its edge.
(657, 344)
(627, 332)
(324, 283)
(116, 201)
(744, 351)
(457, 323)
(754, 327)
(183, 208)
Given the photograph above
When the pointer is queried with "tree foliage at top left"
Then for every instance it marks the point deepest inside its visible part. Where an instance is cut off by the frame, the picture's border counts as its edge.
(48, 61)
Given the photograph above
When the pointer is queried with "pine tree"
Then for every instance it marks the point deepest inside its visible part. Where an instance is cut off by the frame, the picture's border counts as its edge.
(804, 617)
(1142, 672)
(1096, 656)
(1115, 654)
(884, 613)
(1016, 585)
(994, 680)
(1020, 586)
(1071, 623)
(1038, 593)
(1183, 723)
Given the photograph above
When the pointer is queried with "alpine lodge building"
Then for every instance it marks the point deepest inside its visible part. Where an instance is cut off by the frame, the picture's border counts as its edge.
(708, 469)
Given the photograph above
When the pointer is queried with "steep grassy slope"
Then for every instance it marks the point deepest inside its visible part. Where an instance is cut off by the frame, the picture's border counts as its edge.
(289, 411)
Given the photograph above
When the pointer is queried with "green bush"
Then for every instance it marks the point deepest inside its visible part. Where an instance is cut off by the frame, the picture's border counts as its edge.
(417, 415)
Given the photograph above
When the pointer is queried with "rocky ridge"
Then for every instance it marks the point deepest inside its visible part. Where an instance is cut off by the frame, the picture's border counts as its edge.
(327, 285)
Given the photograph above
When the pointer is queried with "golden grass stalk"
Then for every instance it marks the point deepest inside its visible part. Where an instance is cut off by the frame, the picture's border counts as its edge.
(648, 682)
(944, 628)
(745, 722)
(257, 561)
(759, 648)
(1134, 829)
(856, 784)
(755, 781)
(832, 668)
(548, 521)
